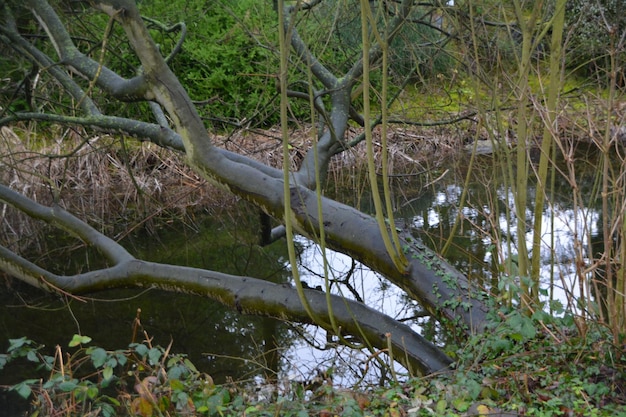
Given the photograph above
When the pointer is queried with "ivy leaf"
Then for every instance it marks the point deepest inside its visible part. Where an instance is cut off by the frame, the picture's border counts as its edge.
(32, 356)
(15, 344)
(79, 340)
(23, 388)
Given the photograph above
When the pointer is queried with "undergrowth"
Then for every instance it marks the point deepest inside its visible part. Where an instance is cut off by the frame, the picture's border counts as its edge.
(530, 366)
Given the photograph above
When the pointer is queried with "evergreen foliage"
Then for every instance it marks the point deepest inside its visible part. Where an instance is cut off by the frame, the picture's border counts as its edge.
(596, 29)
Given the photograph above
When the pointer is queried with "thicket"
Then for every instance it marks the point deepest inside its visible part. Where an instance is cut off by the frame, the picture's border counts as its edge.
(596, 35)
(228, 59)
(531, 366)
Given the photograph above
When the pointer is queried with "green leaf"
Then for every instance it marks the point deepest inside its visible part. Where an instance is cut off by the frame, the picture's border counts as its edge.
(177, 385)
(92, 392)
(107, 373)
(154, 355)
(107, 410)
(121, 359)
(79, 340)
(182, 399)
(557, 306)
(441, 407)
(177, 371)
(32, 356)
(15, 344)
(528, 329)
(473, 388)
(142, 350)
(461, 404)
(500, 345)
(68, 386)
(112, 400)
(23, 388)
(190, 365)
(98, 357)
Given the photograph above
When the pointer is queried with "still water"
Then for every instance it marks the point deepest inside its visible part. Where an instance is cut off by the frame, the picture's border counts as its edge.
(226, 344)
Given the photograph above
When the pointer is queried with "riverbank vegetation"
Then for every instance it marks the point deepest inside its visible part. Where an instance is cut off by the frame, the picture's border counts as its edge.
(283, 108)
(526, 366)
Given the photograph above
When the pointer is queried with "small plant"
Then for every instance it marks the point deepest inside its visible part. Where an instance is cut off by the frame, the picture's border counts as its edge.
(142, 380)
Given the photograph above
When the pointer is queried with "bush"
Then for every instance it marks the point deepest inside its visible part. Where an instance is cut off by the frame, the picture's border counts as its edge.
(596, 28)
(227, 63)
(335, 27)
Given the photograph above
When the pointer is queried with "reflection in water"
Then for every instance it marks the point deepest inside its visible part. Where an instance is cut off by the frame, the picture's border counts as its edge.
(483, 236)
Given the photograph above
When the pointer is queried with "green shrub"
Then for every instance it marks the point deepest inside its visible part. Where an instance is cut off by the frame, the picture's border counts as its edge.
(227, 63)
(334, 30)
(595, 29)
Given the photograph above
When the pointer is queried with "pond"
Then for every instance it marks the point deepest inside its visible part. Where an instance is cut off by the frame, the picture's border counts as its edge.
(226, 344)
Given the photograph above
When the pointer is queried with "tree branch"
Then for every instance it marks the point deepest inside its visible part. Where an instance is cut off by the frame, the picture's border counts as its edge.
(118, 87)
(11, 36)
(60, 218)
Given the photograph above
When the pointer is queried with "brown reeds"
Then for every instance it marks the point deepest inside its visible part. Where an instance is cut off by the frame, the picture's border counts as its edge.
(119, 185)
(113, 184)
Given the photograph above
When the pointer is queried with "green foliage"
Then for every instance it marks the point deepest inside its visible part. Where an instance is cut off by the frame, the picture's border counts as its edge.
(596, 29)
(532, 365)
(333, 31)
(146, 380)
(227, 63)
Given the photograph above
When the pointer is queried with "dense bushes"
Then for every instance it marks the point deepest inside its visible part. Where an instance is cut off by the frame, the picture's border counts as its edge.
(227, 63)
(417, 50)
(595, 31)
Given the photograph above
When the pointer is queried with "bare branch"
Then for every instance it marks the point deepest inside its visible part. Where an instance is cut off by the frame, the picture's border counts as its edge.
(157, 134)
(118, 87)
(9, 32)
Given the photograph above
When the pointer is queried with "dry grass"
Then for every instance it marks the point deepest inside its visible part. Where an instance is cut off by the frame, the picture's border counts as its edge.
(119, 188)
(409, 149)
(114, 188)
